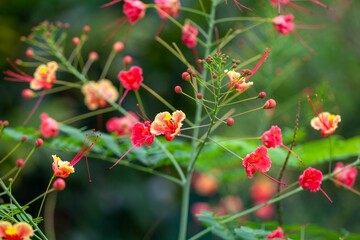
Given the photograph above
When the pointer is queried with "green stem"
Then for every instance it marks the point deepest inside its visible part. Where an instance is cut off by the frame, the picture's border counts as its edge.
(194, 153)
(39, 197)
(11, 152)
(25, 161)
(87, 115)
(3, 186)
(107, 64)
(46, 192)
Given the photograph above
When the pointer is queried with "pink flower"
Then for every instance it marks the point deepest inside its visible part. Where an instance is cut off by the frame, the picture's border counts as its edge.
(277, 233)
(257, 161)
(141, 134)
(168, 7)
(132, 78)
(311, 179)
(122, 125)
(346, 176)
(284, 24)
(96, 91)
(272, 138)
(189, 34)
(18, 231)
(326, 123)
(44, 76)
(49, 127)
(231, 204)
(168, 124)
(134, 10)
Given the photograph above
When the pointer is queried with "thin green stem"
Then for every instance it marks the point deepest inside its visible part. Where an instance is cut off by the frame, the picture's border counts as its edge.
(25, 161)
(87, 115)
(107, 64)
(3, 186)
(39, 197)
(237, 19)
(46, 192)
(11, 152)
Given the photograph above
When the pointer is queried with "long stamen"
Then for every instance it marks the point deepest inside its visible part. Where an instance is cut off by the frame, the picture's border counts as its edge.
(293, 153)
(268, 176)
(37, 104)
(122, 156)
(81, 154)
(327, 196)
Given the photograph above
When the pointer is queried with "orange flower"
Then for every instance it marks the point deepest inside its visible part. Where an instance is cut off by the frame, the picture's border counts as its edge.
(326, 123)
(96, 91)
(167, 124)
(237, 81)
(18, 231)
(44, 76)
(61, 168)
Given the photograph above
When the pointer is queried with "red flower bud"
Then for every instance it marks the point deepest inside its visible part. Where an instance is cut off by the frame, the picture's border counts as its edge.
(76, 40)
(270, 104)
(199, 95)
(127, 60)
(59, 184)
(262, 94)
(178, 89)
(39, 142)
(118, 46)
(93, 56)
(185, 76)
(29, 52)
(20, 162)
(86, 28)
(230, 121)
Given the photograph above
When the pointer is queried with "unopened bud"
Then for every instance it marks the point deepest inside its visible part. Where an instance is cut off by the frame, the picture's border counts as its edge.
(215, 76)
(208, 59)
(178, 89)
(18, 61)
(262, 94)
(27, 93)
(20, 162)
(29, 53)
(39, 142)
(59, 184)
(86, 28)
(76, 40)
(24, 138)
(199, 95)
(47, 34)
(5, 123)
(93, 56)
(127, 60)
(118, 46)
(230, 121)
(185, 76)
(270, 104)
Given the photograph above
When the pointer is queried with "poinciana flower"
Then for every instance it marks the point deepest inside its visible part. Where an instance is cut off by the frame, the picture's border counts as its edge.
(18, 231)
(96, 92)
(140, 135)
(345, 176)
(266, 212)
(167, 124)
(44, 76)
(122, 125)
(205, 184)
(262, 190)
(189, 34)
(64, 168)
(326, 123)
(237, 81)
(130, 80)
(257, 161)
(49, 127)
(273, 138)
(284, 24)
(134, 10)
(311, 179)
(167, 8)
(276, 234)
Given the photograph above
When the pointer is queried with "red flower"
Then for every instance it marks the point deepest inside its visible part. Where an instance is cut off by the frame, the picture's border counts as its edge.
(44, 76)
(132, 78)
(96, 91)
(141, 134)
(189, 34)
(122, 125)
(326, 123)
(168, 7)
(284, 24)
(346, 176)
(168, 124)
(277, 233)
(18, 231)
(134, 10)
(205, 184)
(272, 138)
(257, 161)
(311, 179)
(262, 190)
(49, 126)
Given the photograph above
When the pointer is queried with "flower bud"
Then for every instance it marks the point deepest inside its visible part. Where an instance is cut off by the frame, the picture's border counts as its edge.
(230, 121)
(59, 184)
(39, 142)
(199, 96)
(127, 60)
(20, 162)
(270, 104)
(118, 46)
(76, 40)
(93, 56)
(24, 138)
(262, 94)
(178, 89)
(29, 53)
(27, 93)
(86, 28)
(215, 76)
(185, 76)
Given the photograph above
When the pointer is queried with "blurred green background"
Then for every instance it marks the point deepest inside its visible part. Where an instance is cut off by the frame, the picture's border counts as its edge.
(126, 204)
